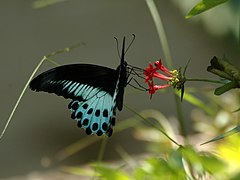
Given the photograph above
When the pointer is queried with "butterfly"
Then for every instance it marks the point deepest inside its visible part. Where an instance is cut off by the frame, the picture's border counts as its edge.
(96, 92)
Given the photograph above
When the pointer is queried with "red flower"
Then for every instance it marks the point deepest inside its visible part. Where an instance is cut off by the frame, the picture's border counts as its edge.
(150, 72)
(159, 66)
(153, 88)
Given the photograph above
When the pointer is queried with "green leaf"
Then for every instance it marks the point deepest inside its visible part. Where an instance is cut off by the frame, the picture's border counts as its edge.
(157, 168)
(176, 163)
(190, 154)
(223, 68)
(236, 110)
(110, 173)
(229, 68)
(226, 87)
(236, 177)
(202, 162)
(211, 163)
(228, 133)
(203, 6)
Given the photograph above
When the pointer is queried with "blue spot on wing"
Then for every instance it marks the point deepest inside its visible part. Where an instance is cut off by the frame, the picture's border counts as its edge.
(95, 114)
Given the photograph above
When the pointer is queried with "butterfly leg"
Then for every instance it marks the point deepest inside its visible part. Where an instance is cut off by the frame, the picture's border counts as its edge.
(140, 87)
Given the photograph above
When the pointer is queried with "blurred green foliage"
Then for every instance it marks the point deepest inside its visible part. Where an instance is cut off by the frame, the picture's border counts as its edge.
(181, 163)
(203, 6)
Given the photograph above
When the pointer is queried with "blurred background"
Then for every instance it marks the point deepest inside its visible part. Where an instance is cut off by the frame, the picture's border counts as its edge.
(42, 125)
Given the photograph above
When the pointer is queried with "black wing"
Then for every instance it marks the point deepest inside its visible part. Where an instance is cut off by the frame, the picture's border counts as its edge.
(68, 80)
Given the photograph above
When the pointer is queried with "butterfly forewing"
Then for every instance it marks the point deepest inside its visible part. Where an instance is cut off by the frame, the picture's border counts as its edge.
(66, 80)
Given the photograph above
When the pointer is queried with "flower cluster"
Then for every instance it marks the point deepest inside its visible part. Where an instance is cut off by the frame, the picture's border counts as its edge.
(171, 77)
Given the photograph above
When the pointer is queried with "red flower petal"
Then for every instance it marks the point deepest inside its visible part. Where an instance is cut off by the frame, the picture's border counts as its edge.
(153, 88)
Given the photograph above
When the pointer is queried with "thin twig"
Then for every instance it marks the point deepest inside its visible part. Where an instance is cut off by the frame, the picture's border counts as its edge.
(20, 97)
(163, 132)
(29, 80)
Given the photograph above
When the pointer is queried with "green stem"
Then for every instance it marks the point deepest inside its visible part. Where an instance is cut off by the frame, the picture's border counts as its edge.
(181, 119)
(52, 61)
(152, 124)
(161, 32)
(20, 97)
(204, 80)
(238, 28)
(102, 149)
(166, 50)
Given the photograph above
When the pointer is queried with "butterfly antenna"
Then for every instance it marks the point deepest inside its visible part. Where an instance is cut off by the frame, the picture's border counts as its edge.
(123, 48)
(117, 46)
(130, 42)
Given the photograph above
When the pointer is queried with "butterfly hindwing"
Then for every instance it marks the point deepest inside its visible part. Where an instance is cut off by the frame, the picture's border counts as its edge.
(96, 115)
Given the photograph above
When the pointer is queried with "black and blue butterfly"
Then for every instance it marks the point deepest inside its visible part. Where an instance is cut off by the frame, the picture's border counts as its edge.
(96, 92)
